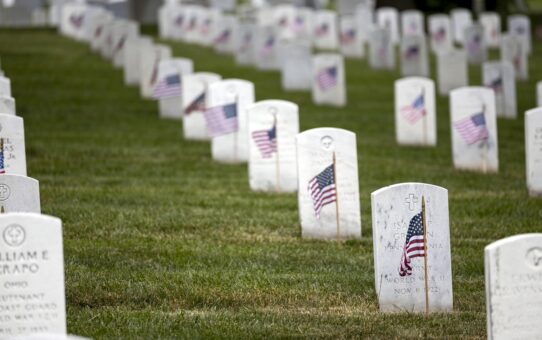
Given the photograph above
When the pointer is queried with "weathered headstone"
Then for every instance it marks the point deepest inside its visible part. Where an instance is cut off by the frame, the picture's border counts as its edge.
(452, 70)
(415, 113)
(325, 35)
(388, 18)
(193, 98)
(492, 28)
(7, 105)
(513, 51)
(412, 23)
(5, 86)
(168, 87)
(414, 56)
(475, 45)
(19, 194)
(12, 145)
(474, 129)
(132, 58)
(231, 147)
(244, 50)
(381, 49)
(328, 190)
(272, 127)
(351, 45)
(520, 26)
(513, 285)
(461, 19)
(533, 151)
(500, 77)
(296, 68)
(265, 45)
(32, 280)
(329, 83)
(411, 241)
(440, 32)
(148, 67)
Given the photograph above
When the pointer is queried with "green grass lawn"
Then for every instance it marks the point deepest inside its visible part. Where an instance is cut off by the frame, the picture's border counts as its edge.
(162, 242)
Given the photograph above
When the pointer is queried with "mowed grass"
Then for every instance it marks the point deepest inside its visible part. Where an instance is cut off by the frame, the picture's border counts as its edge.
(162, 242)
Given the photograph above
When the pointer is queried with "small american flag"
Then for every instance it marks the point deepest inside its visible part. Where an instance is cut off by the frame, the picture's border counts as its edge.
(120, 44)
(322, 189)
(414, 111)
(2, 166)
(472, 128)
(348, 36)
(266, 141)
(268, 47)
(439, 35)
(327, 78)
(169, 86)
(414, 244)
(223, 37)
(197, 104)
(179, 20)
(77, 20)
(322, 29)
(221, 120)
(412, 52)
(496, 84)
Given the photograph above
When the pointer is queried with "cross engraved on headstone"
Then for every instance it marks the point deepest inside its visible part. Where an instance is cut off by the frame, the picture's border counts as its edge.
(411, 200)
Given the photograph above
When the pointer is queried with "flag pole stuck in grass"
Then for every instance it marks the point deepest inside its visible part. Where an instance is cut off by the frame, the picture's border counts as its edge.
(424, 221)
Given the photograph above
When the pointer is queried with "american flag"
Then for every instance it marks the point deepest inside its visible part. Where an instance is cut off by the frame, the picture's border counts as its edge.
(496, 84)
(440, 34)
(77, 20)
(298, 24)
(154, 74)
(120, 44)
(322, 29)
(179, 20)
(223, 37)
(322, 189)
(268, 47)
(348, 36)
(2, 166)
(197, 104)
(472, 128)
(169, 86)
(414, 111)
(221, 120)
(327, 78)
(266, 141)
(414, 244)
(412, 52)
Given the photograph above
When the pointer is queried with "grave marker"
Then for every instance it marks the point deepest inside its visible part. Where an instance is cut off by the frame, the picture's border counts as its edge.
(19, 194)
(265, 44)
(296, 68)
(414, 56)
(499, 76)
(325, 35)
(513, 51)
(452, 71)
(5, 86)
(533, 151)
(351, 45)
(491, 22)
(148, 67)
(388, 18)
(461, 19)
(412, 23)
(328, 80)
(475, 44)
(168, 87)
(520, 26)
(381, 50)
(7, 105)
(12, 146)
(132, 56)
(440, 32)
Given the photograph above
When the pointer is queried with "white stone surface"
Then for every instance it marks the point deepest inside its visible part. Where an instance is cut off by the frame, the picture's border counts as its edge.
(388, 18)
(7, 105)
(412, 23)
(19, 194)
(132, 56)
(539, 94)
(478, 154)
(393, 209)
(315, 149)
(124, 31)
(440, 32)
(325, 90)
(265, 49)
(475, 45)
(452, 70)
(233, 147)
(325, 31)
(461, 19)
(225, 37)
(491, 21)
(500, 77)
(381, 49)
(171, 106)
(365, 19)
(513, 51)
(520, 26)
(149, 61)
(273, 170)
(97, 19)
(194, 87)
(12, 137)
(32, 285)
(414, 56)
(5, 86)
(513, 276)
(533, 151)
(72, 20)
(415, 124)
(351, 44)
(244, 50)
(296, 67)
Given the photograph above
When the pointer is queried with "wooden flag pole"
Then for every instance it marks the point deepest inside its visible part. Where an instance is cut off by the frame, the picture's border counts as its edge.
(426, 279)
(277, 159)
(337, 216)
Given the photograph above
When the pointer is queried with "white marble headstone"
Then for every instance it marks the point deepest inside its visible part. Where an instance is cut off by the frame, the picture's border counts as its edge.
(412, 23)
(296, 68)
(148, 67)
(461, 19)
(7, 105)
(388, 18)
(244, 50)
(520, 26)
(491, 21)
(132, 56)
(415, 113)
(474, 129)
(329, 83)
(5, 86)
(19, 194)
(539, 94)
(170, 106)
(72, 20)
(414, 56)
(318, 213)
(325, 32)
(32, 280)
(272, 127)
(351, 45)
(440, 32)
(193, 98)
(233, 147)
(12, 139)
(225, 34)
(513, 268)
(513, 51)
(365, 19)
(400, 282)
(265, 48)
(124, 31)
(474, 44)
(452, 70)
(381, 49)
(533, 151)
(500, 77)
